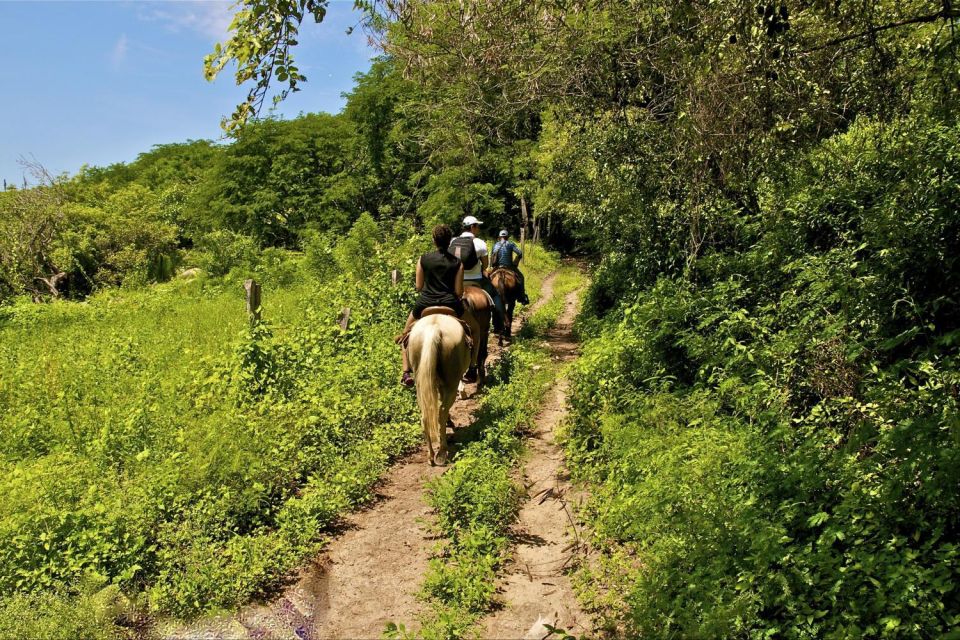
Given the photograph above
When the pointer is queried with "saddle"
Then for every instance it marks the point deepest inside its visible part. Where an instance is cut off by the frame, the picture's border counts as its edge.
(404, 338)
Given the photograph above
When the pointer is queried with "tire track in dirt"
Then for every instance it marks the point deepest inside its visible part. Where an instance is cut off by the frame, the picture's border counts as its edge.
(535, 588)
(370, 574)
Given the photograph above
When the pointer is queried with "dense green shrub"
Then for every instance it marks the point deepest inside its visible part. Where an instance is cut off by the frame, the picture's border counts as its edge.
(223, 251)
(773, 440)
(477, 493)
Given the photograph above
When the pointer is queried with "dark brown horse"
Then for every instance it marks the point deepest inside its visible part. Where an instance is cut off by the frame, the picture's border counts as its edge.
(479, 310)
(505, 282)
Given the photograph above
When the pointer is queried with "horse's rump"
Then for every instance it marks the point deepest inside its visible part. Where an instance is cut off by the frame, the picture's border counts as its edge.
(476, 299)
(440, 355)
(505, 276)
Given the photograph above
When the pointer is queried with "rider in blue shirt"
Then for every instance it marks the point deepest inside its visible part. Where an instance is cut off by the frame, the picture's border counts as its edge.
(502, 256)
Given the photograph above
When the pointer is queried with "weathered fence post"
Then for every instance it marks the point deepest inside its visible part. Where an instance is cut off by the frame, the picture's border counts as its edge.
(394, 277)
(252, 288)
(344, 318)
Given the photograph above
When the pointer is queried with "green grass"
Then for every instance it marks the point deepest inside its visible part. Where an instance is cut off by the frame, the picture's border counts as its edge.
(568, 279)
(536, 265)
(168, 449)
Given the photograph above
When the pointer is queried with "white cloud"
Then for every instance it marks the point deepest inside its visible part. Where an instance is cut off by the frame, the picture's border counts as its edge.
(210, 19)
(119, 53)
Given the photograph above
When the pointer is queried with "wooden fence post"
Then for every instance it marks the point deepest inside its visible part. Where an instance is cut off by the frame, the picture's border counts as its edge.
(344, 318)
(394, 277)
(252, 288)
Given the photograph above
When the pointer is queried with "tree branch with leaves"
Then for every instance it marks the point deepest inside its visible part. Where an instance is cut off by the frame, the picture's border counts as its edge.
(263, 34)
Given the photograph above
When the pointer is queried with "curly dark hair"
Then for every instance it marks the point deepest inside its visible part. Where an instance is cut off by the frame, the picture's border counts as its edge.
(442, 235)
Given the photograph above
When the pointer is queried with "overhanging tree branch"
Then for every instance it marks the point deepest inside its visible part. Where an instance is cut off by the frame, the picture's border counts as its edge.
(945, 14)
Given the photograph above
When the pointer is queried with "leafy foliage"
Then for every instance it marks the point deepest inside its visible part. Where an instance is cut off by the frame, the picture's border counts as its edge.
(774, 447)
(263, 31)
(200, 480)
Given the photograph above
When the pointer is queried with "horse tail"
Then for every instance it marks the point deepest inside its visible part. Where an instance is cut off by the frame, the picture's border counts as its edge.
(428, 381)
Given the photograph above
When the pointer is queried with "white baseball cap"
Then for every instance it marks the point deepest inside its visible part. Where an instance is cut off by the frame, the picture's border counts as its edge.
(469, 221)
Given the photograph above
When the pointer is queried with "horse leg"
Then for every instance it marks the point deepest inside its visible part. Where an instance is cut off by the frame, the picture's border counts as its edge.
(474, 323)
(482, 362)
(442, 455)
(429, 437)
(475, 353)
(448, 397)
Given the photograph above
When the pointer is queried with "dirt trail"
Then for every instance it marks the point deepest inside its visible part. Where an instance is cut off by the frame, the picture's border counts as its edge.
(370, 574)
(535, 588)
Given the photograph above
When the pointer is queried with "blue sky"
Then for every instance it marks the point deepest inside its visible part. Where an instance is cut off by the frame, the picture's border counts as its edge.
(100, 82)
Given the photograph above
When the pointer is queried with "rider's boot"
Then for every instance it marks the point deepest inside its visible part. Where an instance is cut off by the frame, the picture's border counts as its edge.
(522, 297)
(499, 313)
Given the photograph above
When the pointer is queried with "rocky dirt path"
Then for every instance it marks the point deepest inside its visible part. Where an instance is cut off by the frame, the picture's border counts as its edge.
(535, 588)
(367, 576)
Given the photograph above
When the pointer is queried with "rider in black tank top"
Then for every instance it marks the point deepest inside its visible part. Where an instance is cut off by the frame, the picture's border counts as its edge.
(440, 270)
(440, 283)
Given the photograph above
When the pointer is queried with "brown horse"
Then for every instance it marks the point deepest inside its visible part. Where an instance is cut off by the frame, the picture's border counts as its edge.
(440, 356)
(505, 282)
(479, 310)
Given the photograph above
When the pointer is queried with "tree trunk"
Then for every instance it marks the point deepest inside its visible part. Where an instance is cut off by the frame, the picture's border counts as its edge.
(524, 214)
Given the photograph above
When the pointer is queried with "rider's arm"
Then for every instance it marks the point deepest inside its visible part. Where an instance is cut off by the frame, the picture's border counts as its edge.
(458, 282)
(419, 276)
(519, 253)
(485, 262)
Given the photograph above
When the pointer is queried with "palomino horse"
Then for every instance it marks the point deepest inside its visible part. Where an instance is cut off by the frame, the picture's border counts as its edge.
(506, 283)
(440, 356)
(478, 311)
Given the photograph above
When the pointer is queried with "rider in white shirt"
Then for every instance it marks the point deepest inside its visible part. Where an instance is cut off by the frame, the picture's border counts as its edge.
(471, 228)
(476, 275)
